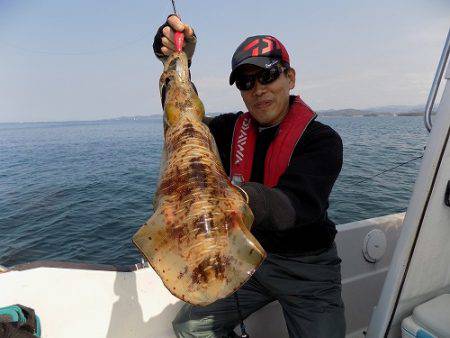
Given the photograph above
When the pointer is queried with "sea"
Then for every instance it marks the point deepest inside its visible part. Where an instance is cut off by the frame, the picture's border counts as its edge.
(78, 191)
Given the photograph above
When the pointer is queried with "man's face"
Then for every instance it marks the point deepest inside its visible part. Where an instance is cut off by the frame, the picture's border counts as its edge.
(269, 103)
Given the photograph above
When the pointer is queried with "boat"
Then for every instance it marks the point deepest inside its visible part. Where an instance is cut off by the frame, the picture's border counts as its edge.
(395, 270)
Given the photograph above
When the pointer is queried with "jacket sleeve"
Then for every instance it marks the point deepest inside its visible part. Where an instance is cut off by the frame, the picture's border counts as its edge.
(221, 128)
(301, 195)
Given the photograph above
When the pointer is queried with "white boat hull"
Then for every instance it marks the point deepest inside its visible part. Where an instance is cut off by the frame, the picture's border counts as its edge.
(76, 300)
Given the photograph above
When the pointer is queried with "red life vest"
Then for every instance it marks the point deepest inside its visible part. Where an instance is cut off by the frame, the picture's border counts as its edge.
(280, 150)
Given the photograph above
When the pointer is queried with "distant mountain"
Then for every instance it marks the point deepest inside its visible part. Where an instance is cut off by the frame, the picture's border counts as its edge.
(398, 109)
(343, 112)
(145, 117)
(392, 110)
(134, 118)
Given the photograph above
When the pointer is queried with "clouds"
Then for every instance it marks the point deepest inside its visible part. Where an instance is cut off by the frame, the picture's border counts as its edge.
(346, 55)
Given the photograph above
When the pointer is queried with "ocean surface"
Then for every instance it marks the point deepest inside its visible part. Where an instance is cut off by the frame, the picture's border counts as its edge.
(78, 191)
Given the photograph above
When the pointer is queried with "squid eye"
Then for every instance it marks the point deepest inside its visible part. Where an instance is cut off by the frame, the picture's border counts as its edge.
(172, 65)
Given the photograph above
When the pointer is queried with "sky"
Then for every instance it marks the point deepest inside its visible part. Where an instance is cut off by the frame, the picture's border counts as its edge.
(64, 60)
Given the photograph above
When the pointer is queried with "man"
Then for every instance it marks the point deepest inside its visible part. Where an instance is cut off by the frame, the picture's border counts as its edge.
(287, 163)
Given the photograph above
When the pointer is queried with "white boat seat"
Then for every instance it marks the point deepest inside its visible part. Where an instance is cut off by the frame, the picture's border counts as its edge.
(430, 319)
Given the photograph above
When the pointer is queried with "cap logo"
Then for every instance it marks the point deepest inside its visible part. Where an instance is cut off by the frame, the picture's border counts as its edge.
(266, 47)
(252, 44)
(269, 46)
(269, 65)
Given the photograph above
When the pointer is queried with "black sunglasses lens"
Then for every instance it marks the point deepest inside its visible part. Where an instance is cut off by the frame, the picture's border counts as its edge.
(245, 82)
(266, 76)
(269, 75)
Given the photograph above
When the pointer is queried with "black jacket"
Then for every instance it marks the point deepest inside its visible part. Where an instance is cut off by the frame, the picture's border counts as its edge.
(307, 182)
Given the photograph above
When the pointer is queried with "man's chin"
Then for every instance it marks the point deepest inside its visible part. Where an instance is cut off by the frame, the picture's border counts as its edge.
(267, 122)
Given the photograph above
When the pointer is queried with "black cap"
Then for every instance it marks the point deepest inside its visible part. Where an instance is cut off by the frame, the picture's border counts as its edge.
(260, 50)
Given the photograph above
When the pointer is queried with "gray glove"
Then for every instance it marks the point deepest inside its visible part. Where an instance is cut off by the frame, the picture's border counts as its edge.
(271, 208)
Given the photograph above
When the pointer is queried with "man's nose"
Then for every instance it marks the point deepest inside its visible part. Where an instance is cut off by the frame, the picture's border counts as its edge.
(259, 88)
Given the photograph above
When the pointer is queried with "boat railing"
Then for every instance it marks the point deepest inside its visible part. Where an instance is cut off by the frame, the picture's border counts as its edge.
(436, 82)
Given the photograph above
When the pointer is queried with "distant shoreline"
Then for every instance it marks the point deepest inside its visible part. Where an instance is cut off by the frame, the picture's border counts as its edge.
(368, 114)
(320, 113)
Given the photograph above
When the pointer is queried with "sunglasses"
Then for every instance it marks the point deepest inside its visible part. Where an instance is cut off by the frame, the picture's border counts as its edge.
(265, 76)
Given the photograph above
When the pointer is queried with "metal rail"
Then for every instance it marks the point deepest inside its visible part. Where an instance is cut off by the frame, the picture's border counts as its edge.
(436, 82)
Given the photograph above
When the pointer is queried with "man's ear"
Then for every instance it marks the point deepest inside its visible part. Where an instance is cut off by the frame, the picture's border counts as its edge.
(291, 77)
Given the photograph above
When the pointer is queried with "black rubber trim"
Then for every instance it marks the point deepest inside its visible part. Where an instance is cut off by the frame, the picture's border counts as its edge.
(447, 195)
(77, 266)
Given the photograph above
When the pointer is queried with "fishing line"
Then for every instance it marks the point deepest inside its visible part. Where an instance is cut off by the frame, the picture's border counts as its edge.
(89, 52)
(174, 8)
(390, 169)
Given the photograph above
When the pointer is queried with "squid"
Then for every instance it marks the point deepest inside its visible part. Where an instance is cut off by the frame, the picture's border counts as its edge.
(198, 239)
